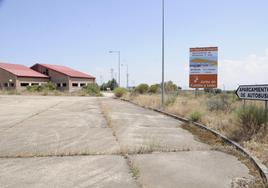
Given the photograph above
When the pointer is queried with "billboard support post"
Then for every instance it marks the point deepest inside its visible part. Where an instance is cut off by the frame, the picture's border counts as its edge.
(266, 111)
(195, 92)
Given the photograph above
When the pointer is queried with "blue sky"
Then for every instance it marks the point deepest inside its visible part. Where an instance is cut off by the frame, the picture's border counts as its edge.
(79, 34)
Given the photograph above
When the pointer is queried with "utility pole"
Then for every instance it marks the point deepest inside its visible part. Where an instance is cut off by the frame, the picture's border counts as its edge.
(101, 79)
(119, 59)
(115, 75)
(127, 76)
(163, 54)
(112, 73)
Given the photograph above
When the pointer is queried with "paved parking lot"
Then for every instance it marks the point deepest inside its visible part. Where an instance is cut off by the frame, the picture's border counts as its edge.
(45, 126)
(82, 142)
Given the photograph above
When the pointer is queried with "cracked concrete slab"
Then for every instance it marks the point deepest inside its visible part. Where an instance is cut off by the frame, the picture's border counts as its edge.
(15, 109)
(192, 169)
(59, 126)
(83, 171)
(136, 127)
(74, 126)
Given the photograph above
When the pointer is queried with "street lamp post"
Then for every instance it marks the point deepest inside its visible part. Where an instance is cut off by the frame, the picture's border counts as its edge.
(119, 59)
(127, 76)
(163, 54)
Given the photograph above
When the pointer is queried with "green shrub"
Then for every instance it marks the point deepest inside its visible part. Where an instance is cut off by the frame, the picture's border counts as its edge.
(120, 92)
(142, 88)
(211, 90)
(49, 86)
(195, 116)
(171, 99)
(112, 84)
(154, 88)
(251, 119)
(92, 89)
(35, 88)
(41, 88)
(231, 92)
(220, 103)
(217, 91)
(170, 87)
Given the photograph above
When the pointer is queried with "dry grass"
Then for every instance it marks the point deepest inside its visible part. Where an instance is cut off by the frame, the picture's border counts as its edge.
(145, 100)
(203, 135)
(108, 118)
(224, 121)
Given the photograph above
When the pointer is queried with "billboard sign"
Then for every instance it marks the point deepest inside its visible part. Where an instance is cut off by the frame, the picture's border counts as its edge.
(203, 67)
(253, 92)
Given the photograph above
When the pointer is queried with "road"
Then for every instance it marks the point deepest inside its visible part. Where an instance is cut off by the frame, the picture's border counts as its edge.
(102, 142)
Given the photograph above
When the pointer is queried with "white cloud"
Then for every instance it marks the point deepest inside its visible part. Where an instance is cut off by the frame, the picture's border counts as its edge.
(251, 70)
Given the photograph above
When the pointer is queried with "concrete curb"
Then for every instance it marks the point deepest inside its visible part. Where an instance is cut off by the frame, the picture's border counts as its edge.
(263, 171)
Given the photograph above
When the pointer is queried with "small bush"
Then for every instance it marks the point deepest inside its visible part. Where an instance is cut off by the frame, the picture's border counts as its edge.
(170, 87)
(142, 88)
(219, 104)
(208, 90)
(171, 99)
(135, 172)
(49, 86)
(211, 90)
(250, 120)
(218, 91)
(41, 88)
(154, 89)
(120, 92)
(231, 92)
(195, 116)
(92, 89)
(111, 84)
(35, 88)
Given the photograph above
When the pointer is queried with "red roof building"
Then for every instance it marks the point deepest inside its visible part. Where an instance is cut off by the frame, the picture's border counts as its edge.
(67, 71)
(64, 77)
(19, 76)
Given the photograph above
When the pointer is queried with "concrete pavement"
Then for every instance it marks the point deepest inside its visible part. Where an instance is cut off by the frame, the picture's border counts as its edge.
(138, 128)
(87, 171)
(79, 141)
(68, 126)
(191, 169)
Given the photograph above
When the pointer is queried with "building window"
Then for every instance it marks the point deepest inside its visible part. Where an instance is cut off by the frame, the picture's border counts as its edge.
(5, 84)
(12, 84)
(24, 84)
(82, 84)
(64, 84)
(35, 84)
(75, 84)
(58, 85)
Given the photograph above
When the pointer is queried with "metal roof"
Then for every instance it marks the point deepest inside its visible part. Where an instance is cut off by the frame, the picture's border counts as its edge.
(21, 70)
(67, 71)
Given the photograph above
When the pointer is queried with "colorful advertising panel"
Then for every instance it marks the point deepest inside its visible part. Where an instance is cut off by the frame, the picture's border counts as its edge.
(203, 67)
